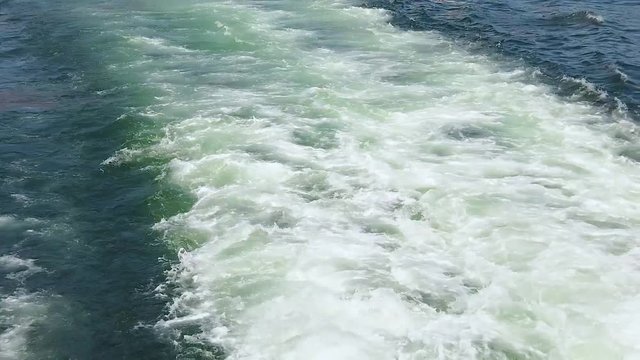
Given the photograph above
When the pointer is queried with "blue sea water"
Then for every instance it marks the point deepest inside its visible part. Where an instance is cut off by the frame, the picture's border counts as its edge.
(584, 48)
(319, 179)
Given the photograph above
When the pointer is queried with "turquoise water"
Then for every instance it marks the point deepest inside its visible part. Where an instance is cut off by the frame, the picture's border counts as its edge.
(301, 180)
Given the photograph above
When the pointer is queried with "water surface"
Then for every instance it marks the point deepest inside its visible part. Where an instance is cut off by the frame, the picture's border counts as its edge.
(318, 180)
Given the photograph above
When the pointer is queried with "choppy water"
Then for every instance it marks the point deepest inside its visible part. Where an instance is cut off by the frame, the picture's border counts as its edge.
(317, 180)
(586, 50)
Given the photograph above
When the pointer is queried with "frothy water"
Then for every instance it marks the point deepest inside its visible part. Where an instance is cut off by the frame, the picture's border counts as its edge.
(18, 312)
(325, 185)
(19, 309)
(368, 193)
(590, 40)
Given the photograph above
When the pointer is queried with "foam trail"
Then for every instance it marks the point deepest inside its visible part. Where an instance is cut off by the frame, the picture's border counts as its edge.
(19, 309)
(367, 193)
(17, 313)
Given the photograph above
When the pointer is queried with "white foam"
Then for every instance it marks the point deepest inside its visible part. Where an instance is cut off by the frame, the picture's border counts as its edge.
(598, 19)
(18, 312)
(158, 45)
(588, 86)
(623, 77)
(17, 268)
(367, 193)
(7, 220)
(21, 198)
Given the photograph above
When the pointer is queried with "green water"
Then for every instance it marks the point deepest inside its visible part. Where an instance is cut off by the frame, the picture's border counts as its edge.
(79, 261)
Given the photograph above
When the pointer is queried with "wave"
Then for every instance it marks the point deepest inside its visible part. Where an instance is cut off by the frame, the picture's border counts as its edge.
(371, 193)
(578, 17)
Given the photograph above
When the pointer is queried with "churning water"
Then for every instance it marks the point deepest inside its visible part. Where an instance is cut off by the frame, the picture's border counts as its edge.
(335, 187)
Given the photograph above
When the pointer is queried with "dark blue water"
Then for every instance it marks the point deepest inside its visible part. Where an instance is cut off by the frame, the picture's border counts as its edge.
(568, 41)
(86, 229)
